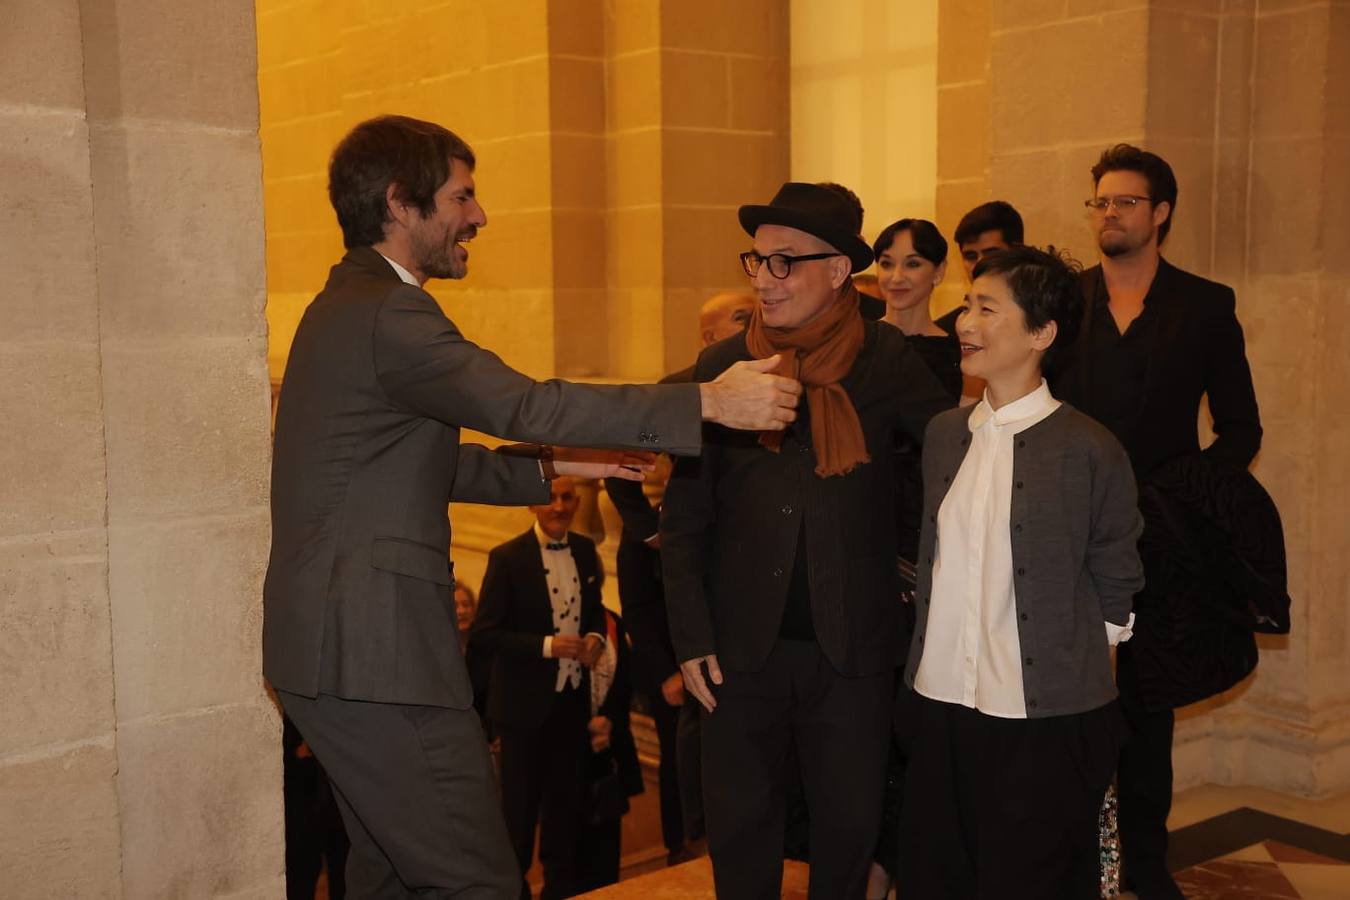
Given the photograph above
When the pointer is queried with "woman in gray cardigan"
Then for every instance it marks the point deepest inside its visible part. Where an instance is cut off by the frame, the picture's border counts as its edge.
(1027, 570)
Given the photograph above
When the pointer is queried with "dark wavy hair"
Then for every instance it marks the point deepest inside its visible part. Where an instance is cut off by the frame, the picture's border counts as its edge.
(928, 241)
(1162, 183)
(1045, 284)
(996, 215)
(411, 154)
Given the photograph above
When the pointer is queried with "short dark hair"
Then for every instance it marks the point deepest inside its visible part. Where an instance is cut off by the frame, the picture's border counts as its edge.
(1045, 284)
(928, 241)
(1162, 183)
(409, 153)
(996, 215)
(854, 203)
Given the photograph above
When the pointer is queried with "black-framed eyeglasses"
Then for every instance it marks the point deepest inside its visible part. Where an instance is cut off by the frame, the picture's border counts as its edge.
(780, 264)
(1123, 204)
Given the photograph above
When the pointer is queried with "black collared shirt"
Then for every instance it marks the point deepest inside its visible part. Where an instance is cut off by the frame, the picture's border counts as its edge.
(1118, 365)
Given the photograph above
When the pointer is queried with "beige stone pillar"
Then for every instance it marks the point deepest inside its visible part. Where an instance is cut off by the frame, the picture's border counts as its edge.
(1248, 102)
(140, 754)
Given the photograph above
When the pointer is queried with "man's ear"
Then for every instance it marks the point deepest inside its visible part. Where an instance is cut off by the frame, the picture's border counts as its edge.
(840, 270)
(397, 210)
(1162, 211)
(1043, 337)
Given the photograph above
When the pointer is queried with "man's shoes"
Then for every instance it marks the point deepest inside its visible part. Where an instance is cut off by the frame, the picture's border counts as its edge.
(682, 854)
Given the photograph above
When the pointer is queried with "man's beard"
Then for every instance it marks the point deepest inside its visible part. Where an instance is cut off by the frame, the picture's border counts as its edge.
(1115, 244)
(436, 258)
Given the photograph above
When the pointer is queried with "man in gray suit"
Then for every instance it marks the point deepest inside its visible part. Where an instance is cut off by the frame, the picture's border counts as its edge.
(359, 617)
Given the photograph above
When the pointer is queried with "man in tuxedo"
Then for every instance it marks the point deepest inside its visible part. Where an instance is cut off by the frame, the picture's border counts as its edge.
(778, 553)
(1154, 340)
(359, 623)
(644, 608)
(541, 623)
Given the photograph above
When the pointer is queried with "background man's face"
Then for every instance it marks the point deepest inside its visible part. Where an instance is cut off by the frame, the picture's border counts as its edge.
(1124, 231)
(555, 517)
(724, 315)
(438, 239)
(801, 297)
(988, 242)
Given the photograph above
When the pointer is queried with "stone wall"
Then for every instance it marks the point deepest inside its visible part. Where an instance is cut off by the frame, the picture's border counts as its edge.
(139, 755)
(1249, 103)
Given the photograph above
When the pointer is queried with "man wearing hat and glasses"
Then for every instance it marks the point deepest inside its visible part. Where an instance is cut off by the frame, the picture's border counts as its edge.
(779, 557)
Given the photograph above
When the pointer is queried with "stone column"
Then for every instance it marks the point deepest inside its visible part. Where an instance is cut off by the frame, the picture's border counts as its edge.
(1248, 102)
(141, 754)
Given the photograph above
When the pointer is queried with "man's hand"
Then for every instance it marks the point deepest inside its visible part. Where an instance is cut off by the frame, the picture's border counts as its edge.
(599, 728)
(591, 648)
(672, 690)
(583, 462)
(567, 646)
(692, 669)
(745, 396)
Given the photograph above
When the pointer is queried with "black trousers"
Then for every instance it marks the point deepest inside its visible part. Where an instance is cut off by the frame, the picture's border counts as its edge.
(667, 720)
(543, 778)
(1005, 807)
(1144, 787)
(689, 753)
(414, 786)
(839, 728)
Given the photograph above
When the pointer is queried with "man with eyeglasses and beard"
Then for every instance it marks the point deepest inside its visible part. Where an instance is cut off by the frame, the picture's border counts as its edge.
(1154, 340)
(779, 558)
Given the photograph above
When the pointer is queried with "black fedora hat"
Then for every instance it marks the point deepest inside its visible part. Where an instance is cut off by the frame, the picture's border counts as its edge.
(817, 210)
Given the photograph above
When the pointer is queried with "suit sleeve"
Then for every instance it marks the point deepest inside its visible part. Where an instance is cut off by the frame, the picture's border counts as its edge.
(1228, 382)
(424, 363)
(1113, 543)
(485, 476)
(640, 521)
(688, 518)
(922, 395)
(491, 633)
(592, 609)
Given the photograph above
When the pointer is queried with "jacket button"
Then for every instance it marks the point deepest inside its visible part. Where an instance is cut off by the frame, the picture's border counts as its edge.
(964, 441)
(930, 560)
(1018, 528)
(925, 601)
(787, 509)
(1019, 485)
(933, 519)
(1021, 571)
(1025, 617)
(777, 573)
(946, 479)
(1028, 660)
(1031, 704)
(920, 639)
(1021, 444)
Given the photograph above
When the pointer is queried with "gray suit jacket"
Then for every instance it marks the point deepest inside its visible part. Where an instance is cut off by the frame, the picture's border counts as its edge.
(1074, 527)
(357, 601)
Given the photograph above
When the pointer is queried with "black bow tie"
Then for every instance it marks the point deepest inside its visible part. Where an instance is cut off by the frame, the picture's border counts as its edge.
(556, 545)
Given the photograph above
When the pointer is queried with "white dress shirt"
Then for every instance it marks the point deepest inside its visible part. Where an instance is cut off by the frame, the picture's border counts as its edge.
(402, 272)
(972, 652)
(564, 593)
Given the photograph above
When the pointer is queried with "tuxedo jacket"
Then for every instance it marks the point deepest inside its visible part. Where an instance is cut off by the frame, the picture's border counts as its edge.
(641, 590)
(1196, 348)
(731, 519)
(357, 601)
(515, 614)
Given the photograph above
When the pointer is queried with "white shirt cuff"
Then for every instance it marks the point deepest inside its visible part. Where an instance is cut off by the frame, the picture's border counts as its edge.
(548, 646)
(1119, 634)
(603, 639)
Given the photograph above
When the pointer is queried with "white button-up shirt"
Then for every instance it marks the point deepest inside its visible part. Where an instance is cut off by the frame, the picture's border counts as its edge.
(564, 593)
(972, 653)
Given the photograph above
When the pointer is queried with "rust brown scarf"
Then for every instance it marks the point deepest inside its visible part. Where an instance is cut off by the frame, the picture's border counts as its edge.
(819, 355)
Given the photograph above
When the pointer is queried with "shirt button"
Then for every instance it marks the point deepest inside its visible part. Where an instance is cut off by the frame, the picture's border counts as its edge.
(787, 509)
(777, 573)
